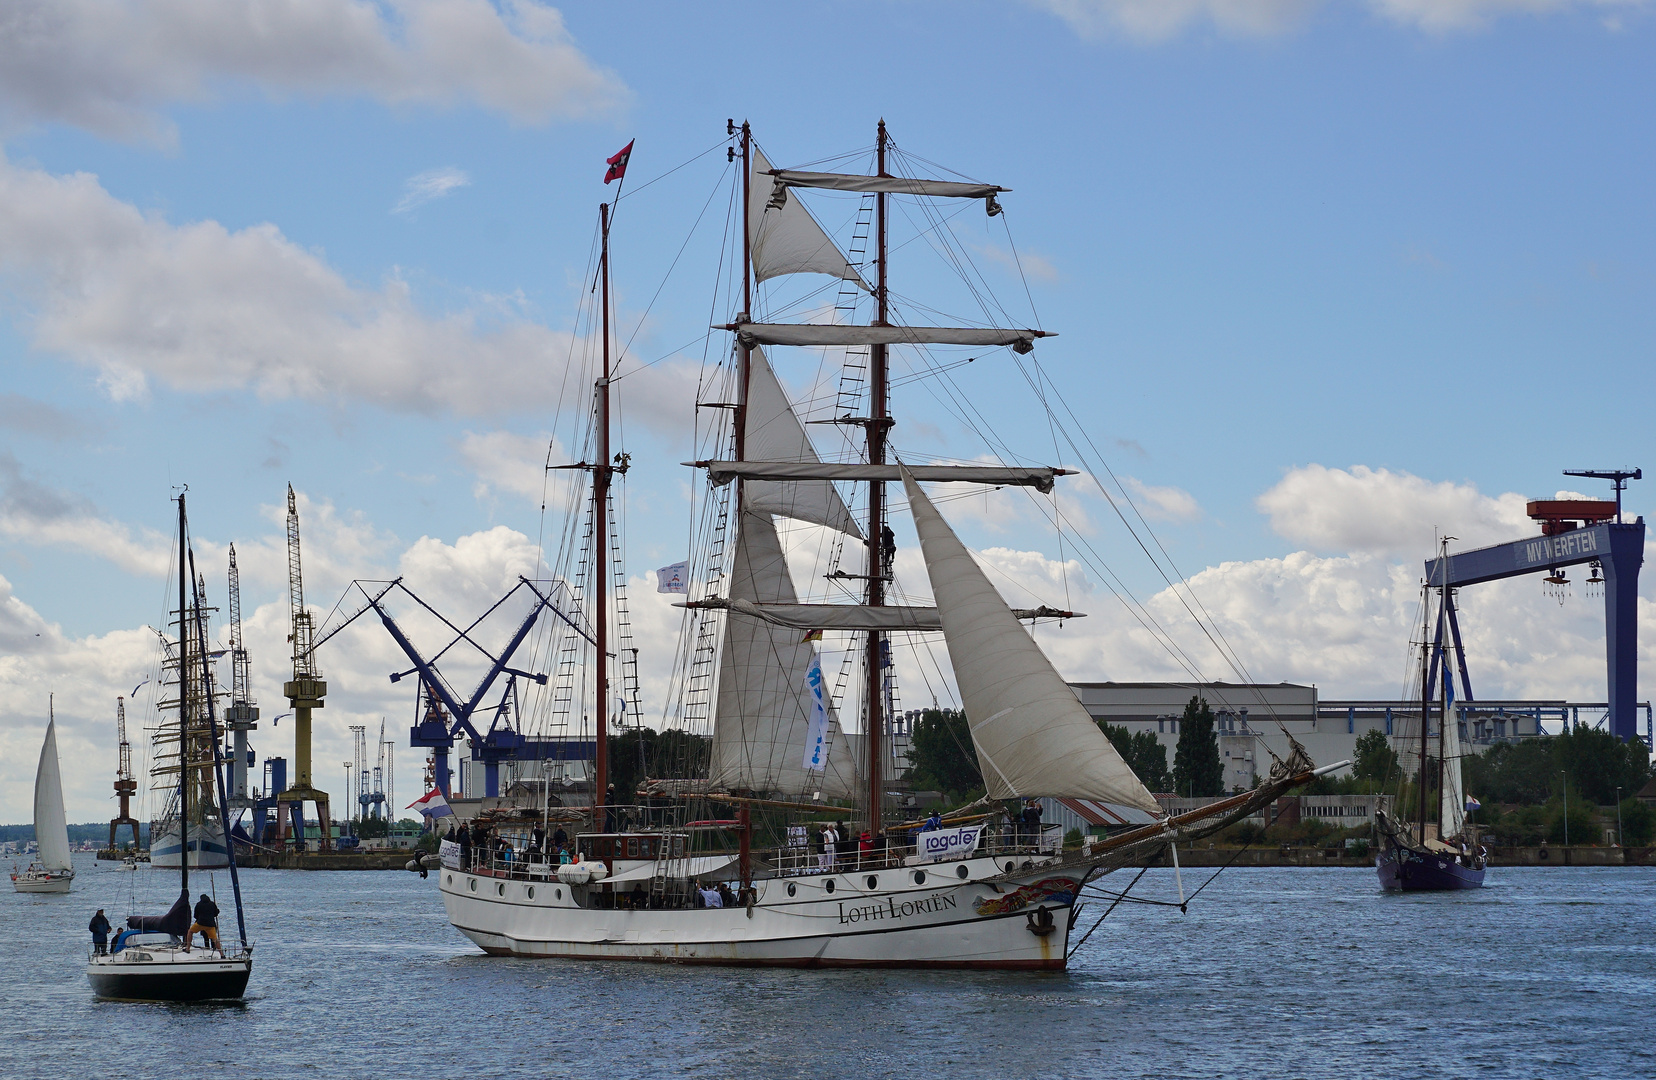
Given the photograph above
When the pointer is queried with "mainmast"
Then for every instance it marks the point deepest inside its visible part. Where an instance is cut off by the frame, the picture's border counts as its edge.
(601, 474)
(1425, 698)
(744, 350)
(874, 729)
(183, 711)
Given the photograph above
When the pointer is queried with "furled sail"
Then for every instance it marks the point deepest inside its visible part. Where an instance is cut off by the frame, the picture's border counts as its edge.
(855, 616)
(774, 433)
(51, 829)
(846, 334)
(1039, 477)
(763, 708)
(785, 239)
(1031, 733)
(891, 185)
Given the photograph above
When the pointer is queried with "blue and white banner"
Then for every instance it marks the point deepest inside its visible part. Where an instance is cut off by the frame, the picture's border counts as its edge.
(673, 579)
(816, 732)
(946, 843)
(449, 852)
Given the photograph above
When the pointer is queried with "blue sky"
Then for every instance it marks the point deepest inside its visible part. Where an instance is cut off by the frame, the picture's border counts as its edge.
(1328, 276)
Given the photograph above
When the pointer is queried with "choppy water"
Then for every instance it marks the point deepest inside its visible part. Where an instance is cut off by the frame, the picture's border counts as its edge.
(1274, 972)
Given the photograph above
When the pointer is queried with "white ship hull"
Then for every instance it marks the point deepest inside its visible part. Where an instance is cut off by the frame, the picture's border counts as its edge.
(207, 849)
(916, 916)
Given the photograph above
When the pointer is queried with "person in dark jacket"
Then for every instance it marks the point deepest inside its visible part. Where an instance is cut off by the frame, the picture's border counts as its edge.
(100, 933)
(464, 840)
(206, 923)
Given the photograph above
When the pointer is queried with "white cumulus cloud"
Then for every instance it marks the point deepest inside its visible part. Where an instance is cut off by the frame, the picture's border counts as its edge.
(1151, 21)
(1163, 503)
(1377, 510)
(109, 65)
(1442, 16)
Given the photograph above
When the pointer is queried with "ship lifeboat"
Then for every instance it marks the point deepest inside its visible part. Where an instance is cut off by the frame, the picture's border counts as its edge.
(582, 872)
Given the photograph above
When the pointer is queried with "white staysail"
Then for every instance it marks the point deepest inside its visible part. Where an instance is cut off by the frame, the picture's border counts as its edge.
(774, 433)
(763, 708)
(1032, 735)
(1453, 806)
(785, 238)
(51, 829)
(849, 334)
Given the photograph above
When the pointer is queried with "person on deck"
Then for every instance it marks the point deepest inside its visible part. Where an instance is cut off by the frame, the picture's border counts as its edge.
(865, 847)
(464, 840)
(829, 839)
(100, 933)
(206, 923)
(711, 898)
(726, 897)
(639, 898)
(934, 821)
(560, 838)
(563, 856)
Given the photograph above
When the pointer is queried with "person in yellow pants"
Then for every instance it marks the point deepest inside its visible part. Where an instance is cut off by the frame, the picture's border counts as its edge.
(206, 923)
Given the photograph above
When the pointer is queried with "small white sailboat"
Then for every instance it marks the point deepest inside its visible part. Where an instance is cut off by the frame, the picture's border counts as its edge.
(52, 871)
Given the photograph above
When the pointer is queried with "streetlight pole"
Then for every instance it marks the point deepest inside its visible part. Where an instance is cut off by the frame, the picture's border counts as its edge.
(1566, 777)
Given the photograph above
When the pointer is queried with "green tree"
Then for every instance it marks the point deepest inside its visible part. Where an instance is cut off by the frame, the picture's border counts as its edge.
(1376, 760)
(942, 755)
(1638, 823)
(1598, 763)
(1197, 771)
(1143, 753)
(1583, 827)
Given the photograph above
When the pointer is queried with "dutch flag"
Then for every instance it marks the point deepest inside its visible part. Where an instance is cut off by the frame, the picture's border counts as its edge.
(1472, 804)
(433, 805)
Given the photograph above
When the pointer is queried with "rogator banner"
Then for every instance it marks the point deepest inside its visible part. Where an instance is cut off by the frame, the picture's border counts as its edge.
(946, 843)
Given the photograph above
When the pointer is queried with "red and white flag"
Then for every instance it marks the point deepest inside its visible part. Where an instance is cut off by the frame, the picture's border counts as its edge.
(618, 163)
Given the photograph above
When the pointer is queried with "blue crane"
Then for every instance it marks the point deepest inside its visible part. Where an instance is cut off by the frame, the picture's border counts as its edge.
(446, 716)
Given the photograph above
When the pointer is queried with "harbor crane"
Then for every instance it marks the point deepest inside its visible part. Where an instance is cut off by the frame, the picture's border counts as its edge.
(126, 785)
(304, 692)
(242, 715)
(448, 716)
(1573, 531)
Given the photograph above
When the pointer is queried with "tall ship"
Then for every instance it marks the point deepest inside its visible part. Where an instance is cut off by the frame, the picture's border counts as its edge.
(181, 742)
(788, 703)
(1441, 852)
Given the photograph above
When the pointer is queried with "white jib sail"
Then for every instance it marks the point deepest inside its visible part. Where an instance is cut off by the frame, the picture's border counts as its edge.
(763, 709)
(786, 239)
(1454, 790)
(1031, 733)
(774, 434)
(51, 829)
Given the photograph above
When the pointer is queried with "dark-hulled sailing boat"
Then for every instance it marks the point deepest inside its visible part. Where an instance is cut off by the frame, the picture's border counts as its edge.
(141, 967)
(1450, 860)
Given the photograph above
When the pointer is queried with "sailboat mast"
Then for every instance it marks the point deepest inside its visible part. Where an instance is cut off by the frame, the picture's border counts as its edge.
(744, 352)
(1425, 697)
(874, 730)
(183, 714)
(600, 544)
(1444, 719)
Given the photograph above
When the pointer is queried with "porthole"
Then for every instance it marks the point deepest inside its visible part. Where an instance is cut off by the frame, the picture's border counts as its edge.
(449, 880)
(873, 882)
(828, 886)
(792, 888)
(471, 883)
(961, 871)
(920, 876)
(500, 888)
(557, 894)
(531, 891)
(1009, 868)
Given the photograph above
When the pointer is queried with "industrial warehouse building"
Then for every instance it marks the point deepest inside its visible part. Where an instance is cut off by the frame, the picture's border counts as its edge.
(1250, 719)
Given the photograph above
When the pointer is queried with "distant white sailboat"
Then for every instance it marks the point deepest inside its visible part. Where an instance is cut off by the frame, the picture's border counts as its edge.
(52, 871)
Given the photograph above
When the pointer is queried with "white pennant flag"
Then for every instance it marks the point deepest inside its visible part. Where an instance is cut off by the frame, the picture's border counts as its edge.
(675, 578)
